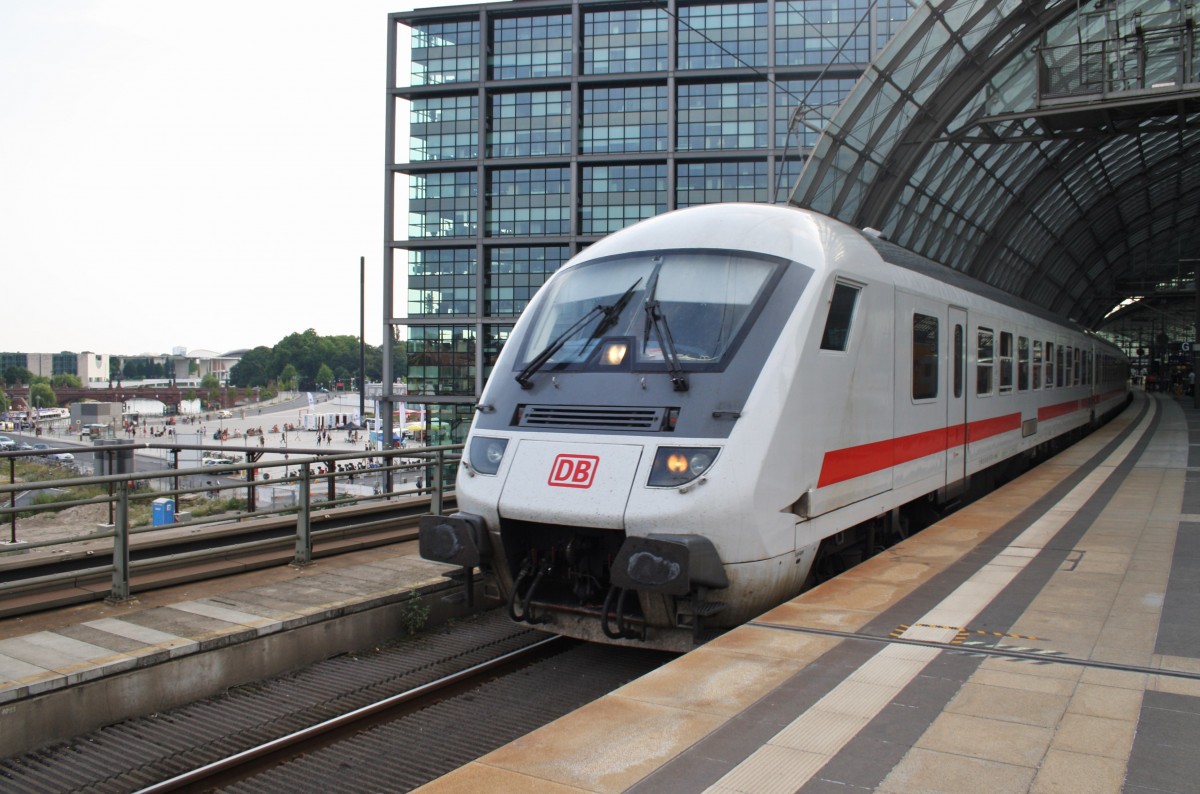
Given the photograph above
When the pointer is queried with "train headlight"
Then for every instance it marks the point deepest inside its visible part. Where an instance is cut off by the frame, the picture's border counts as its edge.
(614, 354)
(680, 465)
(487, 453)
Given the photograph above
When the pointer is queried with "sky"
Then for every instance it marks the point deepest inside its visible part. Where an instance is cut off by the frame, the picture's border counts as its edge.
(196, 175)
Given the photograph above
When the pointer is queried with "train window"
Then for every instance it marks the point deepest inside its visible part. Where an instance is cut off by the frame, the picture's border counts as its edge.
(1050, 365)
(984, 364)
(1006, 362)
(925, 357)
(960, 349)
(1037, 363)
(1058, 364)
(704, 302)
(841, 314)
(1023, 363)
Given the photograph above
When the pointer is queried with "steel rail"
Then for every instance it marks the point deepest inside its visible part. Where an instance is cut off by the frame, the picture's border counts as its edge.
(228, 763)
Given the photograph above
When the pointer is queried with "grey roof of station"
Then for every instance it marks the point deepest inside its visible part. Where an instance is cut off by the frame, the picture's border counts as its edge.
(1047, 148)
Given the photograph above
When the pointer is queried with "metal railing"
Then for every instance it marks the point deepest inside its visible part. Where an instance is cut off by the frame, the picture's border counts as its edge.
(300, 486)
(1140, 53)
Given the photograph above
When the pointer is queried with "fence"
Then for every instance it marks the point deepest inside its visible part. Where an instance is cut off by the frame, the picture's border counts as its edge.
(296, 485)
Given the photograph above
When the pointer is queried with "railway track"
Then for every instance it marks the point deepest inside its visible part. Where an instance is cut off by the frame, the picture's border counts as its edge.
(34, 582)
(386, 720)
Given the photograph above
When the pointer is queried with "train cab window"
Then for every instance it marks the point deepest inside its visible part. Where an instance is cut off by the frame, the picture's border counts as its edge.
(1006, 362)
(841, 315)
(925, 357)
(1050, 365)
(703, 303)
(985, 362)
(1023, 363)
(1037, 363)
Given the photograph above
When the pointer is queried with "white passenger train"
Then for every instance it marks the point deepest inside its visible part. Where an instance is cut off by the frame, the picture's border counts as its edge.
(702, 411)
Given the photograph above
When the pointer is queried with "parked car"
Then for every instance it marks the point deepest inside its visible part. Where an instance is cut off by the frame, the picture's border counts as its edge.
(7, 443)
(219, 460)
(63, 457)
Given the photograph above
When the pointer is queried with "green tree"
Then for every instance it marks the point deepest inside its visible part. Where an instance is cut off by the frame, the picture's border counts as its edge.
(66, 380)
(210, 382)
(254, 368)
(324, 377)
(15, 376)
(288, 378)
(5, 403)
(42, 396)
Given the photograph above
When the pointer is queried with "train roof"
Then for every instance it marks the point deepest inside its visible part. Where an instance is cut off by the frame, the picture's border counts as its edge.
(901, 257)
(726, 225)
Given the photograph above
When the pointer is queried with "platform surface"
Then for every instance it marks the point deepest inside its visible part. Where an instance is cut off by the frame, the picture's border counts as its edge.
(1045, 638)
(66, 671)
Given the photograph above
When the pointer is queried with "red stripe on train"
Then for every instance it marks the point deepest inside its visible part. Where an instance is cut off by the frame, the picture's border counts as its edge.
(840, 465)
(1062, 409)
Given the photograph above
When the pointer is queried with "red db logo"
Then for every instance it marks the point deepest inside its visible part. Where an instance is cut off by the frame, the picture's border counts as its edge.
(574, 471)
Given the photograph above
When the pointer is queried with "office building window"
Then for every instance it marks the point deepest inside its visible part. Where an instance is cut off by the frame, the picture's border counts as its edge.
(444, 128)
(784, 175)
(445, 52)
(441, 359)
(624, 119)
(620, 42)
(707, 183)
(494, 337)
(442, 205)
(524, 47)
(441, 281)
(723, 36)
(616, 196)
(890, 15)
(722, 116)
(817, 32)
(533, 124)
(523, 201)
(515, 274)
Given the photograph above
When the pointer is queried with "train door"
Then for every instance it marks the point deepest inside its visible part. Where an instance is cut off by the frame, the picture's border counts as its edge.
(956, 398)
(923, 386)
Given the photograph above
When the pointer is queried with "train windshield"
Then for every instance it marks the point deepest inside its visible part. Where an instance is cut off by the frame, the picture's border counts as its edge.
(693, 303)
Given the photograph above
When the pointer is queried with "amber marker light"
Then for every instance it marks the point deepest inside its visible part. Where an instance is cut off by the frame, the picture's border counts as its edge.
(675, 466)
(614, 353)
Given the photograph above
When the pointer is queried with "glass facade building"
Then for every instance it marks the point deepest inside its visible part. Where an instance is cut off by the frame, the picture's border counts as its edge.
(521, 132)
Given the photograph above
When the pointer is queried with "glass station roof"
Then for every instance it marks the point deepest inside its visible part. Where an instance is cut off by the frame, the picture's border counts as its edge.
(1051, 149)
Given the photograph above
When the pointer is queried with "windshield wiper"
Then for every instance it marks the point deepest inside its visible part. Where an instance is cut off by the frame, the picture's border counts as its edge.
(658, 321)
(611, 314)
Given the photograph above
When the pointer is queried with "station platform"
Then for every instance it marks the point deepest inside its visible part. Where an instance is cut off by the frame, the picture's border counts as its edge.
(66, 671)
(1044, 638)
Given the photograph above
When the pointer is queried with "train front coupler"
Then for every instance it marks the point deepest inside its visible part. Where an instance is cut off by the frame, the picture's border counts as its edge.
(685, 567)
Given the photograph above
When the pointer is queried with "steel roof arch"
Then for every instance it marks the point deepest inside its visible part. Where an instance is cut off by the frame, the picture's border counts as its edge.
(950, 145)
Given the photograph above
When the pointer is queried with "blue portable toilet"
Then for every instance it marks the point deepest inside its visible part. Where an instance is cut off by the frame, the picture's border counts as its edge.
(163, 512)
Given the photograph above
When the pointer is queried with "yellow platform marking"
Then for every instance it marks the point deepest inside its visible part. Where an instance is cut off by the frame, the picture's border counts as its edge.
(963, 632)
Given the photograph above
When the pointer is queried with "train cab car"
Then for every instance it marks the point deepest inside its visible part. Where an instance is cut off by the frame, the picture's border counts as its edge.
(702, 411)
